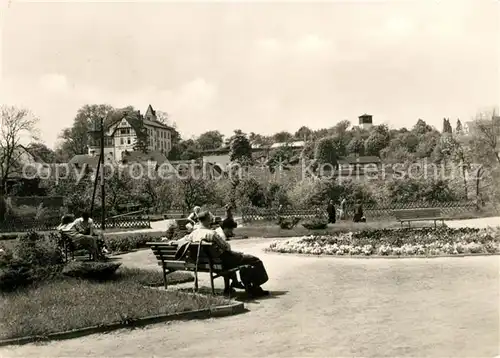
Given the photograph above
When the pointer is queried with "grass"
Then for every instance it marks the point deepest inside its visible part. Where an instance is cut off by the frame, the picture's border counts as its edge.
(271, 230)
(68, 304)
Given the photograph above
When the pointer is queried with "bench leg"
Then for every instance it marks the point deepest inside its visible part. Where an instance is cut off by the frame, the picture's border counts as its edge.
(212, 280)
(196, 281)
(164, 276)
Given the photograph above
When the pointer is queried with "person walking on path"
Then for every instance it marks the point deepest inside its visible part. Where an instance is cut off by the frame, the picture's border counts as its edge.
(343, 208)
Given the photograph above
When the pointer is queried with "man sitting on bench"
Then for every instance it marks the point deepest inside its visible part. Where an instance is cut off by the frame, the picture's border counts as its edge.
(252, 277)
(85, 226)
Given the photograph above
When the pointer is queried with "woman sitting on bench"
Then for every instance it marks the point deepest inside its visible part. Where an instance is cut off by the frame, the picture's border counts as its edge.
(68, 228)
(193, 219)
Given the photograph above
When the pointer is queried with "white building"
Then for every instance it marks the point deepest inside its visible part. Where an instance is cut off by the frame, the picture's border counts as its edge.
(123, 136)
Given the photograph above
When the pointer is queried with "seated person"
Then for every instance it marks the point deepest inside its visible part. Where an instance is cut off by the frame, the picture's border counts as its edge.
(85, 225)
(80, 241)
(223, 231)
(252, 277)
(193, 219)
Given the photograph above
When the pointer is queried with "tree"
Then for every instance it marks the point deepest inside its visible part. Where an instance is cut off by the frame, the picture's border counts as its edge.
(378, 140)
(447, 126)
(162, 117)
(421, 128)
(304, 133)
(459, 128)
(17, 124)
(41, 152)
(340, 129)
(75, 140)
(280, 158)
(326, 152)
(485, 131)
(210, 140)
(282, 137)
(240, 149)
(356, 146)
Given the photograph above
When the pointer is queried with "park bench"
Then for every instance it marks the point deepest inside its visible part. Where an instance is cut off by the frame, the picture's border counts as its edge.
(199, 258)
(411, 215)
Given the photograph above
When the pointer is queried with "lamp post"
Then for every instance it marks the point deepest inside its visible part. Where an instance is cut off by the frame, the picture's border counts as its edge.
(97, 132)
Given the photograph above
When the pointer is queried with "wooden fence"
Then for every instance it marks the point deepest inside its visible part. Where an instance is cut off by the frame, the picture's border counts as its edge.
(371, 212)
(50, 224)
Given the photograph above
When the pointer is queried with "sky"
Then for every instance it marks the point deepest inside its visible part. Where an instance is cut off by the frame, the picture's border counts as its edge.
(256, 66)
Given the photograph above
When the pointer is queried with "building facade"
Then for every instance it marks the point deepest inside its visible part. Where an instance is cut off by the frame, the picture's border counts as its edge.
(129, 134)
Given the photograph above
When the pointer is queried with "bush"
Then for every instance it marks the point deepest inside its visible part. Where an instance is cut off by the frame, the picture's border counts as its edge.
(128, 242)
(287, 223)
(315, 224)
(100, 271)
(32, 258)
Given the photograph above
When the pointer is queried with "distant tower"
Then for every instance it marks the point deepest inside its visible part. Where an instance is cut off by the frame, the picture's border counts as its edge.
(366, 121)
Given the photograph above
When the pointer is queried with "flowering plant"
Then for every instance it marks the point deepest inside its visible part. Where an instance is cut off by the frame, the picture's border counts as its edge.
(399, 242)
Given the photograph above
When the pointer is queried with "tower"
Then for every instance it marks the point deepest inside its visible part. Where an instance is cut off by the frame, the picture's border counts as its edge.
(366, 121)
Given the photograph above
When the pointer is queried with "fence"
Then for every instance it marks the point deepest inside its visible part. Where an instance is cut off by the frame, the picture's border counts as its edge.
(448, 209)
(30, 224)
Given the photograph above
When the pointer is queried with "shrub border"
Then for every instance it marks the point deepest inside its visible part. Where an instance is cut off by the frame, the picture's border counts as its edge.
(213, 312)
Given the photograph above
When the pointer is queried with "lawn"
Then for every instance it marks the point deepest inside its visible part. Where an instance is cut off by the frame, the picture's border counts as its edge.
(67, 304)
(271, 230)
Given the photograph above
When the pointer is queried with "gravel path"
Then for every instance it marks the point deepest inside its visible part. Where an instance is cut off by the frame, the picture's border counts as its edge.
(326, 307)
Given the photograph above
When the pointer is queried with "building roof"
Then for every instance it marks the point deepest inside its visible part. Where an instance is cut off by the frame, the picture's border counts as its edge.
(140, 157)
(365, 115)
(360, 160)
(83, 159)
(296, 144)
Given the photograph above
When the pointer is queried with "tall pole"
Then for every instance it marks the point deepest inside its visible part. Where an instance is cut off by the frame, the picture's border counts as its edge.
(103, 201)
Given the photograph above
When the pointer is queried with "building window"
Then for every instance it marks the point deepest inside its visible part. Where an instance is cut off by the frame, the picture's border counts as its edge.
(128, 140)
(122, 142)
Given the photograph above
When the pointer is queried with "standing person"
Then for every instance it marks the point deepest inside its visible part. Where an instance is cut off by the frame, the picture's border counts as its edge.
(193, 219)
(343, 207)
(253, 277)
(228, 223)
(331, 211)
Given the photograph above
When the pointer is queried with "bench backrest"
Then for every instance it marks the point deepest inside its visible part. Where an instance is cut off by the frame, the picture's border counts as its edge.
(181, 224)
(165, 251)
(428, 213)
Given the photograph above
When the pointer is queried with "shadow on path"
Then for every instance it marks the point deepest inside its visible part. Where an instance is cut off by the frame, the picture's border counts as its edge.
(240, 296)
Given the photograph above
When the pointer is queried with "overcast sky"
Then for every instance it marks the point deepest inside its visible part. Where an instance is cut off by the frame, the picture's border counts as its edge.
(261, 67)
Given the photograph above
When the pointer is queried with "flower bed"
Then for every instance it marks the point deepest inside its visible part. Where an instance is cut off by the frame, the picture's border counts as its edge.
(398, 242)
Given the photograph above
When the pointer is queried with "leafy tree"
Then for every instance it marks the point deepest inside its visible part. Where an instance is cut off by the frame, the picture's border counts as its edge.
(41, 152)
(162, 117)
(308, 150)
(378, 140)
(280, 158)
(326, 152)
(191, 192)
(421, 128)
(282, 137)
(240, 149)
(210, 140)
(356, 146)
(459, 128)
(75, 140)
(303, 133)
(447, 126)
(251, 191)
(485, 135)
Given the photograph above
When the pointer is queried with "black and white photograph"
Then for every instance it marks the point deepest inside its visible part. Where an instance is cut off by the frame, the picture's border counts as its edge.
(250, 178)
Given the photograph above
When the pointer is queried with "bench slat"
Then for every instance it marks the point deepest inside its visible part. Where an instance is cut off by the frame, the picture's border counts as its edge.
(415, 214)
(182, 265)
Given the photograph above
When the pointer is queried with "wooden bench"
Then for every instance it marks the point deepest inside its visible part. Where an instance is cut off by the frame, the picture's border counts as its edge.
(411, 215)
(208, 261)
(182, 230)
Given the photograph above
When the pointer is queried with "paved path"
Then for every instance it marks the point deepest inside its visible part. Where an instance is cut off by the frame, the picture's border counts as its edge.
(326, 307)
